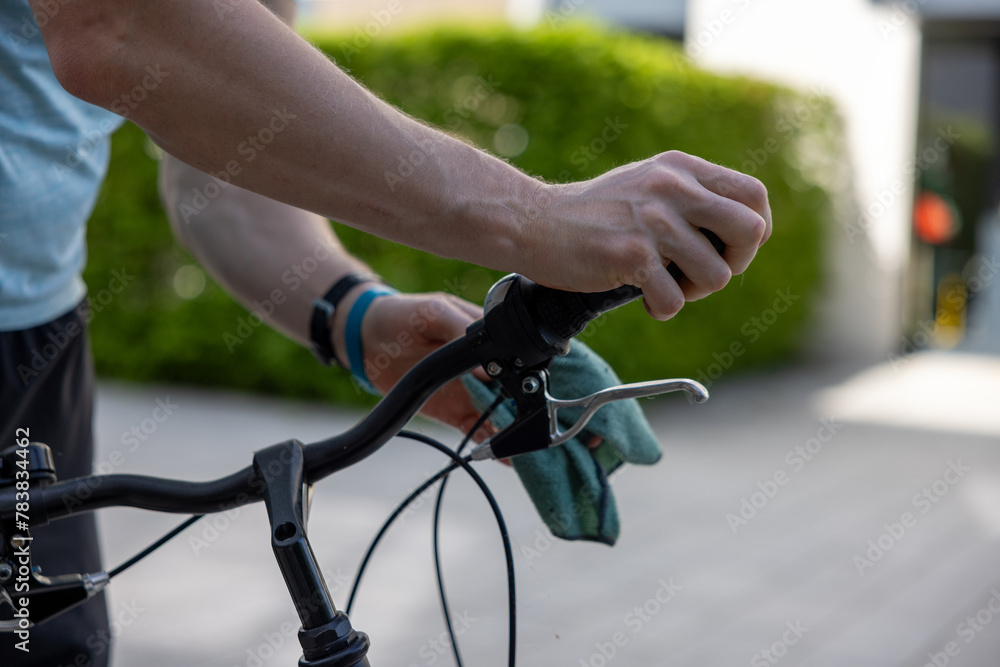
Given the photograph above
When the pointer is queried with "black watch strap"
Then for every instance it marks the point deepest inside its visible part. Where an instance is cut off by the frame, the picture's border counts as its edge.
(320, 335)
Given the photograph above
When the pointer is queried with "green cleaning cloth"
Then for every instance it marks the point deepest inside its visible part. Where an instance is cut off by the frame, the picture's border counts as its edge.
(568, 484)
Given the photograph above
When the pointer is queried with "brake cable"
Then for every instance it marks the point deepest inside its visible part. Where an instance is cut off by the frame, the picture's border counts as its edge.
(153, 547)
(437, 525)
(463, 462)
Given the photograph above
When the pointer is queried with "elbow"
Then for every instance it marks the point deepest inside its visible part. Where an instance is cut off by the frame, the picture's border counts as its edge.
(83, 47)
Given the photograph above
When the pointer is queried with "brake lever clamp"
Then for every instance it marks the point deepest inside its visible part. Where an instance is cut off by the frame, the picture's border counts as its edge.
(525, 431)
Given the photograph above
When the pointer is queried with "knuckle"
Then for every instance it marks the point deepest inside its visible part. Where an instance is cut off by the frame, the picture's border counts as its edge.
(675, 157)
(673, 181)
(672, 305)
(756, 191)
(720, 277)
(633, 253)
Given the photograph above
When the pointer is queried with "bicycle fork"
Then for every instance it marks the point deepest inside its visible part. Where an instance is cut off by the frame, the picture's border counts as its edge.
(326, 636)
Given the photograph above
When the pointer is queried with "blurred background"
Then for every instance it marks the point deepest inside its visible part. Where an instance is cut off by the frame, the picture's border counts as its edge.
(838, 499)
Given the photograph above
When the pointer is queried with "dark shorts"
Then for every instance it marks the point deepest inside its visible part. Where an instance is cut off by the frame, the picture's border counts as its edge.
(47, 386)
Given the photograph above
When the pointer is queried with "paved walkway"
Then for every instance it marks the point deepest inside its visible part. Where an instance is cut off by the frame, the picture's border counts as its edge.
(810, 517)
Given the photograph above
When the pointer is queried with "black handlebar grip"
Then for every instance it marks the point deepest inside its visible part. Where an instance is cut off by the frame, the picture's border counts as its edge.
(568, 313)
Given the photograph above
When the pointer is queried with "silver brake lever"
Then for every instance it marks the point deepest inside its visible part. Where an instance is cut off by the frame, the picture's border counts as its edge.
(591, 404)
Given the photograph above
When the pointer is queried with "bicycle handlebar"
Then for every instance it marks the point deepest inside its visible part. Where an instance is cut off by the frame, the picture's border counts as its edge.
(524, 326)
(535, 323)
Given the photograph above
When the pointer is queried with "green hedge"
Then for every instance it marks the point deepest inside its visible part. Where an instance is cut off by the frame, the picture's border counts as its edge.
(542, 99)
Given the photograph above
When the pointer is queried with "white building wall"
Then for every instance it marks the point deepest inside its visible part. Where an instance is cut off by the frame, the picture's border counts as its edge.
(866, 57)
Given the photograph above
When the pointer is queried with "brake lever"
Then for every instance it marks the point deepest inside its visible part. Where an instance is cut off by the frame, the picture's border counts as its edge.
(531, 424)
(597, 400)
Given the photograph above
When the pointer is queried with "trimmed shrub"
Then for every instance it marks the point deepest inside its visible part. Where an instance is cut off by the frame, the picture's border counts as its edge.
(563, 105)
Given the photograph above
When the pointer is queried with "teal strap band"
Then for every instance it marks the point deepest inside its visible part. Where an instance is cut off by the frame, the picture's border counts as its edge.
(352, 334)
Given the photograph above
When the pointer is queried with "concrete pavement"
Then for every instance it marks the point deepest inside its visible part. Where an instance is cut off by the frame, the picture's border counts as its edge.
(812, 516)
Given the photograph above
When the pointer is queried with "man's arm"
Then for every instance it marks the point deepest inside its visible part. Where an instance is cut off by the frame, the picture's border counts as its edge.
(256, 247)
(226, 87)
(264, 251)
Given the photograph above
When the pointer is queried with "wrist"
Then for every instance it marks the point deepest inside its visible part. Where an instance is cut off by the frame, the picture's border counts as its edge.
(499, 218)
(324, 313)
(353, 336)
(338, 321)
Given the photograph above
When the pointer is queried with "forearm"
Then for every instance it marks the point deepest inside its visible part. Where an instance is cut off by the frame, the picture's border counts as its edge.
(228, 88)
(262, 251)
(236, 93)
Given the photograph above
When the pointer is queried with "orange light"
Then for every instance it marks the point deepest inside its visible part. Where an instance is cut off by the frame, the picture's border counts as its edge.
(934, 219)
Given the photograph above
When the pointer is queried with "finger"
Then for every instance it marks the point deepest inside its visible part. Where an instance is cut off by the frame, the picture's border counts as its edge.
(733, 185)
(662, 297)
(453, 406)
(744, 189)
(731, 204)
(705, 271)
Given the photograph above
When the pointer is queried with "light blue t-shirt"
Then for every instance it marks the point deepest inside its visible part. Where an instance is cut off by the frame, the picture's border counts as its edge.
(53, 157)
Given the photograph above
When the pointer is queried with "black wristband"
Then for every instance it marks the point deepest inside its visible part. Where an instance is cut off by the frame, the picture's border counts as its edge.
(320, 335)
